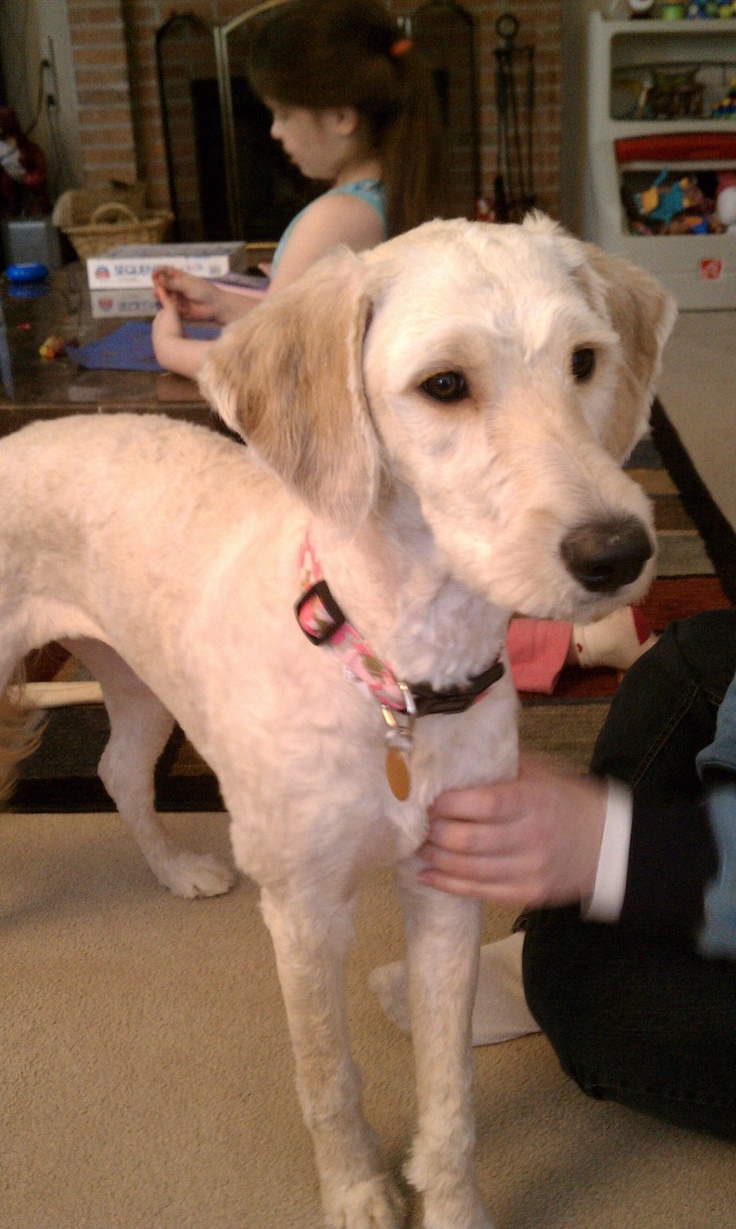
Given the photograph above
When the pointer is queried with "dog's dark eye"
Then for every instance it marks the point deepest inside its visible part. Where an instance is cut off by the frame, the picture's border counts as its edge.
(583, 363)
(446, 386)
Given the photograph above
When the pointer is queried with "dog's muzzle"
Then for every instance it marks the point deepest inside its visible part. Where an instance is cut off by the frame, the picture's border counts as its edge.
(606, 555)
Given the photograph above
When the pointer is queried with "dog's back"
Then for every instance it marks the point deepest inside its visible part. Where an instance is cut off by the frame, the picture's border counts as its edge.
(118, 473)
(86, 496)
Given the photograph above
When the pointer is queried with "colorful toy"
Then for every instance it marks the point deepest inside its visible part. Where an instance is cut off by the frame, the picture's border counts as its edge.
(669, 95)
(727, 105)
(52, 347)
(672, 208)
(700, 9)
(23, 179)
(661, 203)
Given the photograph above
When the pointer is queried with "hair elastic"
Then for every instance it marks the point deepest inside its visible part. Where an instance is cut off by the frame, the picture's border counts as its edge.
(399, 49)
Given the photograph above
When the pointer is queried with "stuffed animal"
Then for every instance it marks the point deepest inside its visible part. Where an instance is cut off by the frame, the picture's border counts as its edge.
(726, 200)
(23, 178)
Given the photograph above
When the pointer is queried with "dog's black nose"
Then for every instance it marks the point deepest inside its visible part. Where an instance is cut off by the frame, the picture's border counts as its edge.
(605, 555)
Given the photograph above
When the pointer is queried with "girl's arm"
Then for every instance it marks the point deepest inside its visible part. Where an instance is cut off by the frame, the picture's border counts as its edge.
(178, 353)
(326, 223)
(330, 221)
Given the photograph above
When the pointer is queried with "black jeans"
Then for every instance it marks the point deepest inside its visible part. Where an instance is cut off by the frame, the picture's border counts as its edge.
(634, 1017)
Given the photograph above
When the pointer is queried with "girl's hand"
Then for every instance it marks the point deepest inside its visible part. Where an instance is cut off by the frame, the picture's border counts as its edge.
(166, 327)
(173, 349)
(167, 318)
(193, 297)
(531, 842)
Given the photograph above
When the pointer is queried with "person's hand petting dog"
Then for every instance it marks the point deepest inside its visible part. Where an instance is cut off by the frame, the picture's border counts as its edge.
(531, 842)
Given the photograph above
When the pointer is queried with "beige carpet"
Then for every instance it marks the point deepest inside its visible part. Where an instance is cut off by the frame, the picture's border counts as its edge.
(147, 1078)
(698, 392)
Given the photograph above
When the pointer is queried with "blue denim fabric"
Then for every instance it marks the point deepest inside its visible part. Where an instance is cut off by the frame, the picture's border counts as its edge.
(721, 753)
(718, 937)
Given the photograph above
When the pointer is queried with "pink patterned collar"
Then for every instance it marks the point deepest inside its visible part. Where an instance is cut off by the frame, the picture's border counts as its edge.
(323, 622)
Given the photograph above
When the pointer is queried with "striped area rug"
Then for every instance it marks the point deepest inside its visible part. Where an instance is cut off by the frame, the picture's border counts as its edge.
(61, 776)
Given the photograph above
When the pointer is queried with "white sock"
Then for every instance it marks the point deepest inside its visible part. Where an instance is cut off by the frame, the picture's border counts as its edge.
(500, 1012)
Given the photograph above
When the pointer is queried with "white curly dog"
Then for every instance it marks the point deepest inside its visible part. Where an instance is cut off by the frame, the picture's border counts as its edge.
(435, 433)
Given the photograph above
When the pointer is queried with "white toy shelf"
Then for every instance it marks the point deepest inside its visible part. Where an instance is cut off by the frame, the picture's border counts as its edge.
(700, 270)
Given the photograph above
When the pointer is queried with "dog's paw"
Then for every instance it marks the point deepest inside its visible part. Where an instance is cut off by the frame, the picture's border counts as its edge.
(373, 1204)
(449, 1203)
(193, 874)
(463, 1213)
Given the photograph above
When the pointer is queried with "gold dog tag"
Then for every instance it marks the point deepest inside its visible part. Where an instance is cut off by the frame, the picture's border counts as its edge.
(399, 735)
(397, 773)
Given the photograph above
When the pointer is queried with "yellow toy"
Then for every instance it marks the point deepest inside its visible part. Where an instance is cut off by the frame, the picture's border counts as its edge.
(52, 347)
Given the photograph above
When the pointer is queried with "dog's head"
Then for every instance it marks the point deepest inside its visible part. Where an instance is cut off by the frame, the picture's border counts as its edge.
(493, 377)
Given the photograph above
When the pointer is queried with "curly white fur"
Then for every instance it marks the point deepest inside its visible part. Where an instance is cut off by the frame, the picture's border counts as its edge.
(167, 557)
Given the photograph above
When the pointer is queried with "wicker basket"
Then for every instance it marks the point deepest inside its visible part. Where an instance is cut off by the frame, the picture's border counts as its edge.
(75, 207)
(93, 226)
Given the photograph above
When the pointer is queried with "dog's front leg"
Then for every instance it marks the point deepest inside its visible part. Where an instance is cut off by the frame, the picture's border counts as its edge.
(311, 939)
(443, 941)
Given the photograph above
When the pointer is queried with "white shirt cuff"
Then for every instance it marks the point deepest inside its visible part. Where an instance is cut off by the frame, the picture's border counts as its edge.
(606, 903)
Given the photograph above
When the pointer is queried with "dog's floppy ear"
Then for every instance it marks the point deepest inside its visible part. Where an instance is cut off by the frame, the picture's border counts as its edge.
(288, 378)
(642, 313)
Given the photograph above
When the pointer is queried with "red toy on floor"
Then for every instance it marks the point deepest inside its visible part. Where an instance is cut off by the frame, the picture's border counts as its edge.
(23, 177)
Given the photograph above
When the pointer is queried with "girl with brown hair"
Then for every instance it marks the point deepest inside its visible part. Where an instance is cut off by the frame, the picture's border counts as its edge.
(353, 105)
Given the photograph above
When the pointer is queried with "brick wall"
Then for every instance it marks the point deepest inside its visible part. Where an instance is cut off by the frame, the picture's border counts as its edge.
(103, 78)
(541, 26)
(114, 57)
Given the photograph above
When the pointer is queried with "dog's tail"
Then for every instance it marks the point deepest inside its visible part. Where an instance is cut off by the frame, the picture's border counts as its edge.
(21, 731)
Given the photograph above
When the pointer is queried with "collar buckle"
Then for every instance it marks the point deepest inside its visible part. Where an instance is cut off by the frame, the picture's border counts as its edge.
(455, 700)
(323, 622)
(318, 614)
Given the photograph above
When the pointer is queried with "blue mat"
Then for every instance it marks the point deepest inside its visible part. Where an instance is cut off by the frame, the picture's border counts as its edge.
(129, 348)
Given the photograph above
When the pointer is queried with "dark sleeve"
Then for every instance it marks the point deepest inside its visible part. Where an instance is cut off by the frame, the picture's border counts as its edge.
(672, 859)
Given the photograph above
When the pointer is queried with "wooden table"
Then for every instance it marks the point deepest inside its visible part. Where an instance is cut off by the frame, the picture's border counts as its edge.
(32, 387)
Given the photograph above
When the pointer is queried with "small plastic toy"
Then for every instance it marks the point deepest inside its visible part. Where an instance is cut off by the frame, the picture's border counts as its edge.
(52, 347)
(23, 179)
(668, 208)
(27, 271)
(661, 203)
(727, 105)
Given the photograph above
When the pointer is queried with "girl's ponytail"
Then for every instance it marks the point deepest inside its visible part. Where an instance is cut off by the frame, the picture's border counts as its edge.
(411, 148)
